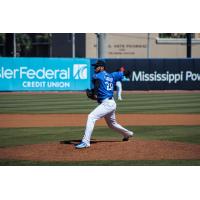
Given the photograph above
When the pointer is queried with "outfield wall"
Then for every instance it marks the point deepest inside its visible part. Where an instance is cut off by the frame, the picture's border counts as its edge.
(44, 74)
(159, 74)
(65, 74)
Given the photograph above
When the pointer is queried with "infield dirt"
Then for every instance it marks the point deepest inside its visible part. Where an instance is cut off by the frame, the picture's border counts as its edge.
(104, 150)
(58, 120)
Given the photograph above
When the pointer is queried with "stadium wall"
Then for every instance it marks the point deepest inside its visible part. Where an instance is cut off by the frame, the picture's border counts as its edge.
(159, 74)
(65, 74)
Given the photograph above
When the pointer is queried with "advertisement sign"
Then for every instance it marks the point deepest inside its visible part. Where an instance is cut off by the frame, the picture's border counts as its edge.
(159, 74)
(44, 74)
(66, 74)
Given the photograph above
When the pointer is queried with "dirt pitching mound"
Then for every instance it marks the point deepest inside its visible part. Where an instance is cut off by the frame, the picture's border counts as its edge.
(103, 150)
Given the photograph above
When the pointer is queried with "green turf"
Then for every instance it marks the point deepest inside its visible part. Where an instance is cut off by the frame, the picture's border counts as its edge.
(78, 103)
(21, 136)
(103, 163)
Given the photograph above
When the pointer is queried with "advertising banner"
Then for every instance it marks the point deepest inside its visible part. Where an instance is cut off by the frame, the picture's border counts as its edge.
(158, 74)
(66, 74)
(44, 74)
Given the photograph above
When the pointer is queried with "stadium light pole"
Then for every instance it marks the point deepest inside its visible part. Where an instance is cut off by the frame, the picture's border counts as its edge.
(148, 45)
(97, 35)
(189, 45)
(14, 45)
(101, 44)
(73, 45)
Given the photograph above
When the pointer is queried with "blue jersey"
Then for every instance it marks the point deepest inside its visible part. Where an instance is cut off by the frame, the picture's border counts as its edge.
(106, 83)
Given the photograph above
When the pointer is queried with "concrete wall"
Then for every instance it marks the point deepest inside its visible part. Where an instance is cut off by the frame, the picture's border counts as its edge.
(134, 45)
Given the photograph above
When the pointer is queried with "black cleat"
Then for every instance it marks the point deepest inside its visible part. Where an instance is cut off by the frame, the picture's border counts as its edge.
(126, 138)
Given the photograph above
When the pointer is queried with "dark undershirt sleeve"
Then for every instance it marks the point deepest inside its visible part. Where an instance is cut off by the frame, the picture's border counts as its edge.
(96, 86)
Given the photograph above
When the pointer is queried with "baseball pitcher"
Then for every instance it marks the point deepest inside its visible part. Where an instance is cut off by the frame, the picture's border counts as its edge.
(104, 83)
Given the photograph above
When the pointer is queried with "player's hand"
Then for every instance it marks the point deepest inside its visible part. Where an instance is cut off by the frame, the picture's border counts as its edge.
(95, 97)
(122, 69)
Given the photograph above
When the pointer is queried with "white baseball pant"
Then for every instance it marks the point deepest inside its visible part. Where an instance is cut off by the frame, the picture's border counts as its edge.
(107, 110)
(119, 90)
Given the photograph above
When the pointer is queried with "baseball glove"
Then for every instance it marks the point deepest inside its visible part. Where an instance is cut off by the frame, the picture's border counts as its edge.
(90, 94)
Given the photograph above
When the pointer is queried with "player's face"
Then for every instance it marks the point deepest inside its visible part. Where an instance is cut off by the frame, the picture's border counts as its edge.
(97, 69)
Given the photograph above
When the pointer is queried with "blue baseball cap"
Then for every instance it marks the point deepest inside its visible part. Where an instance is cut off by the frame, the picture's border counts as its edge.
(99, 63)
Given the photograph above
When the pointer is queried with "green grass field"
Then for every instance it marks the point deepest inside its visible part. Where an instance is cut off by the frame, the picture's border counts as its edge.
(78, 103)
(21, 136)
(103, 163)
